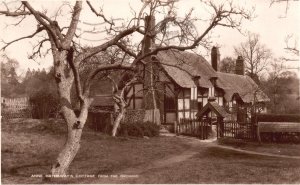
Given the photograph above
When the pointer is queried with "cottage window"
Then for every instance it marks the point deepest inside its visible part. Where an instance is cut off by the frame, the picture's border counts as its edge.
(184, 99)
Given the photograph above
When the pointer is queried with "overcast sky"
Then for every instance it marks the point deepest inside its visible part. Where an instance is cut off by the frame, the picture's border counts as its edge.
(268, 24)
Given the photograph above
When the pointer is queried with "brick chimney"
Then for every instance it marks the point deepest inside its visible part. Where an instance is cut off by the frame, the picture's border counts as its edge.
(240, 66)
(215, 58)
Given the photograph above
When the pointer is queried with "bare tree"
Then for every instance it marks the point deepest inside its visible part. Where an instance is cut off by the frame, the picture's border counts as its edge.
(255, 54)
(68, 55)
(272, 86)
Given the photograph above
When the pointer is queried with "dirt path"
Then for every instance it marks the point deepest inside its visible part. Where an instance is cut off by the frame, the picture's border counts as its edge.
(196, 147)
(193, 150)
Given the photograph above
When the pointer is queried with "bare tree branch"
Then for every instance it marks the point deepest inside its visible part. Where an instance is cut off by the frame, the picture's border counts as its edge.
(39, 29)
(100, 68)
(99, 14)
(73, 24)
(41, 19)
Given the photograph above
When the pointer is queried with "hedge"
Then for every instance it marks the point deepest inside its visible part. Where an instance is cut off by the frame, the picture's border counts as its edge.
(278, 118)
(139, 129)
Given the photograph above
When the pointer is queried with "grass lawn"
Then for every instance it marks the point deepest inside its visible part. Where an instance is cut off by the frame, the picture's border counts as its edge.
(30, 146)
(214, 165)
(273, 148)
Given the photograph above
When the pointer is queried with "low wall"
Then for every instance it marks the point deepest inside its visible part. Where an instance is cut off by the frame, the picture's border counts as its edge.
(278, 131)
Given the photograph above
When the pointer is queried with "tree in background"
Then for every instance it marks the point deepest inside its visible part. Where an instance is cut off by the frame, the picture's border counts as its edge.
(282, 87)
(255, 54)
(227, 65)
(41, 89)
(10, 85)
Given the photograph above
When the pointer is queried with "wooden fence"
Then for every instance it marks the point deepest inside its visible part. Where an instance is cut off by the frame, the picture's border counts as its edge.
(15, 108)
(203, 129)
(263, 131)
(239, 130)
(193, 127)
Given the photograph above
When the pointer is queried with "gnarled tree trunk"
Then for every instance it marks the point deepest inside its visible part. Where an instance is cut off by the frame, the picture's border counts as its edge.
(64, 79)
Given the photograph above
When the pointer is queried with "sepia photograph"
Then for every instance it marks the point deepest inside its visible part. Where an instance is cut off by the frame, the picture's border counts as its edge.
(150, 91)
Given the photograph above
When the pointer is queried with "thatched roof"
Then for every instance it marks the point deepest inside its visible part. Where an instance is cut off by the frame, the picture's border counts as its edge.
(244, 86)
(182, 66)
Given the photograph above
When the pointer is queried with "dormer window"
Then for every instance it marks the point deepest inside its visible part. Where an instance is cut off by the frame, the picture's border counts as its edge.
(213, 80)
(196, 80)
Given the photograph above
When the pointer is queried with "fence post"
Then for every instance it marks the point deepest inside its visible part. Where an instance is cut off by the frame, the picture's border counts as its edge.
(258, 134)
(201, 123)
(175, 127)
(190, 124)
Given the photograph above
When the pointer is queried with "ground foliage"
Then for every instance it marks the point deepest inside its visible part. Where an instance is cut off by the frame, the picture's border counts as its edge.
(139, 129)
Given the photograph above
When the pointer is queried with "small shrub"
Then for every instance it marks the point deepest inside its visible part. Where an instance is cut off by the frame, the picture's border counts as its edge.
(150, 129)
(138, 129)
(131, 129)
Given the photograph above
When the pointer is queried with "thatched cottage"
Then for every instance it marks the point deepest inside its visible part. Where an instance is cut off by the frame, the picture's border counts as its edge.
(185, 82)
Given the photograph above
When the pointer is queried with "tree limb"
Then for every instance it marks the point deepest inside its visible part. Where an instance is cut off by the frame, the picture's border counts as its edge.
(41, 19)
(103, 67)
(99, 14)
(39, 29)
(92, 51)
(73, 24)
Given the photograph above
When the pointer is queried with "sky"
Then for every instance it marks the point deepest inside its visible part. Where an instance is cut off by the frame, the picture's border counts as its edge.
(272, 23)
